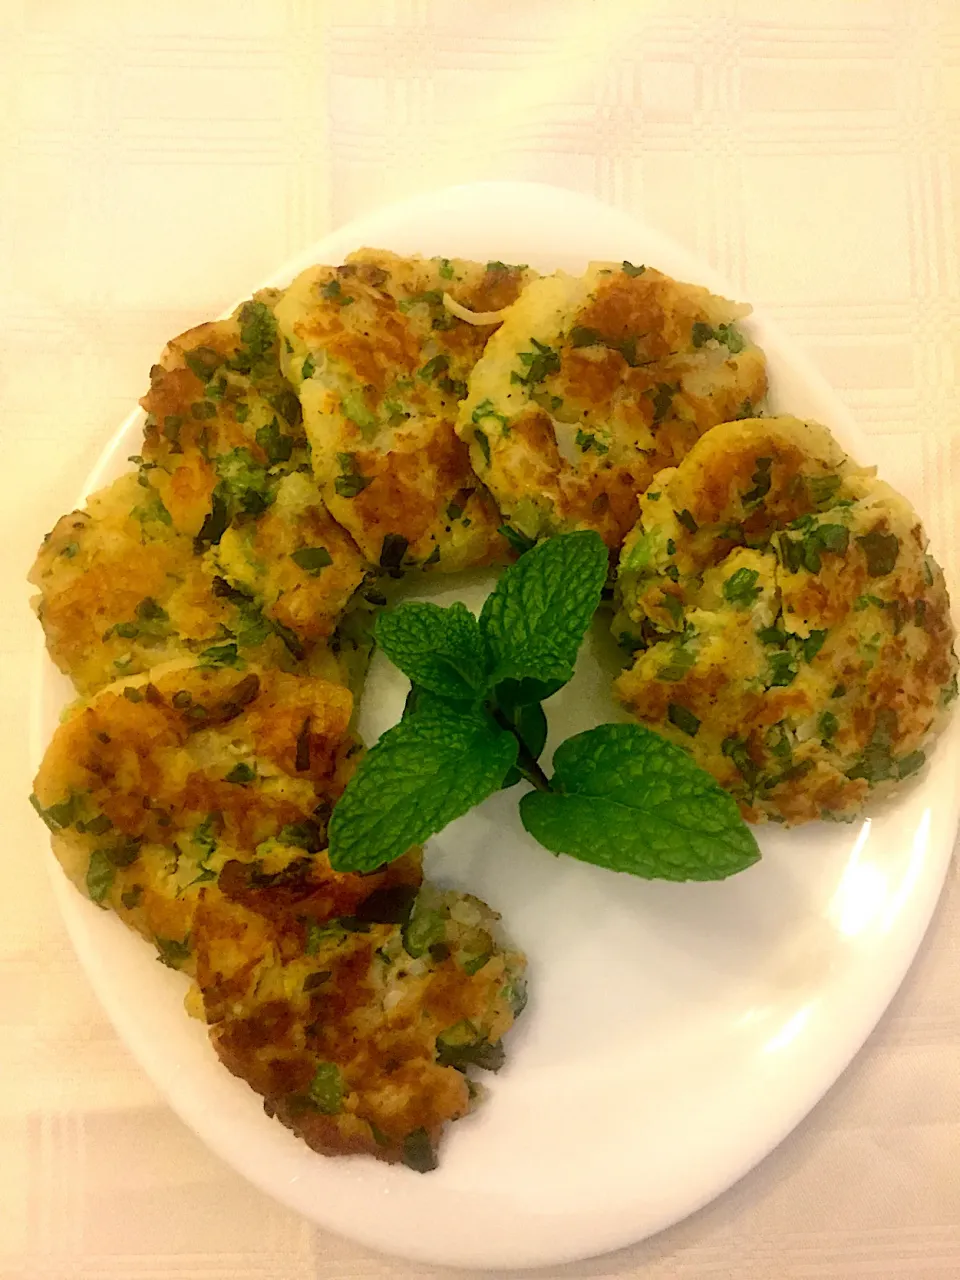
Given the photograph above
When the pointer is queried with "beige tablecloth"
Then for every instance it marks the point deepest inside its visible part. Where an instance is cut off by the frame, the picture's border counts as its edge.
(157, 160)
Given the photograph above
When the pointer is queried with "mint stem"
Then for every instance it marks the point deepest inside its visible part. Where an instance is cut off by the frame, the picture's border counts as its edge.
(530, 770)
(526, 764)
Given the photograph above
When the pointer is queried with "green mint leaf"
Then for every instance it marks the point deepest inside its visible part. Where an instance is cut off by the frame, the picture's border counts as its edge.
(520, 693)
(439, 649)
(427, 770)
(624, 798)
(535, 619)
(530, 725)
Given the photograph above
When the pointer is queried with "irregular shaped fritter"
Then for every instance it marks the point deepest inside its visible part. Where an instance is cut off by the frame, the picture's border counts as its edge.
(595, 382)
(790, 629)
(121, 590)
(156, 784)
(223, 424)
(221, 537)
(358, 1032)
(234, 470)
(294, 561)
(194, 803)
(380, 365)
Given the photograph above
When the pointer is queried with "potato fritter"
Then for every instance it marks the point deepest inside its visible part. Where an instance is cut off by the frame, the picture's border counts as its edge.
(380, 365)
(194, 803)
(223, 424)
(790, 629)
(121, 590)
(593, 384)
(222, 537)
(358, 1031)
(155, 784)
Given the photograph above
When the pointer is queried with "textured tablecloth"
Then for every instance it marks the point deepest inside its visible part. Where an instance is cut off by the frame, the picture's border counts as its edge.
(158, 159)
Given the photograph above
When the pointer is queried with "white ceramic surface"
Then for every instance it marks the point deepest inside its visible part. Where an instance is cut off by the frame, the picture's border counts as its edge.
(675, 1033)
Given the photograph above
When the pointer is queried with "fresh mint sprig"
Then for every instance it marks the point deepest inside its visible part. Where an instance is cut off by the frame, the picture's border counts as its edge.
(621, 796)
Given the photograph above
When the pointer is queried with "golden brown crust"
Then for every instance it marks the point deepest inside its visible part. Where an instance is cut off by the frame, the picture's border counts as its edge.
(121, 590)
(193, 802)
(221, 537)
(386, 364)
(157, 783)
(338, 1028)
(593, 384)
(790, 629)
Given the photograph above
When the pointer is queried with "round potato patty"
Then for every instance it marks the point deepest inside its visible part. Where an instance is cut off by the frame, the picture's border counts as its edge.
(152, 786)
(788, 626)
(595, 382)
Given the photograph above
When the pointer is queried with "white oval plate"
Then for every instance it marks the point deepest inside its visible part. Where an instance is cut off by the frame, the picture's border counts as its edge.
(675, 1033)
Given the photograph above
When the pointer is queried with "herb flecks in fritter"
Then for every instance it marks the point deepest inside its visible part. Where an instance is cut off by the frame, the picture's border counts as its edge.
(194, 803)
(222, 527)
(153, 785)
(358, 1031)
(380, 379)
(594, 383)
(789, 628)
